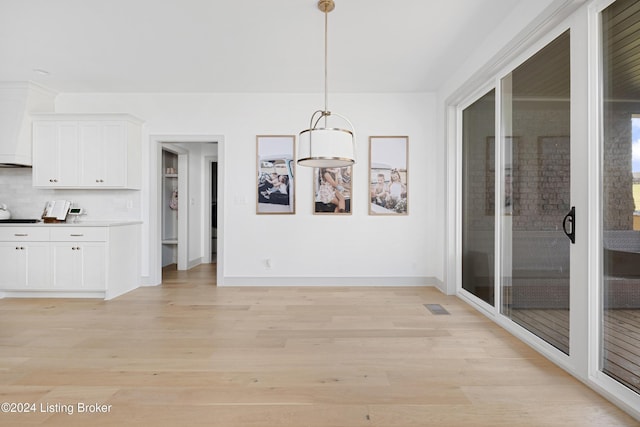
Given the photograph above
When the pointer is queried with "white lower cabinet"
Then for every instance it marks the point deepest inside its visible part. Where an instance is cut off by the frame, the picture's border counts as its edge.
(25, 258)
(69, 261)
(79, 258)
(79, 265)
(25, 265)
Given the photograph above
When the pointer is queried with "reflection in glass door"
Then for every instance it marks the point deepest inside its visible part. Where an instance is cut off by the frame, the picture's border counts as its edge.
(620, 338)
(536, 198)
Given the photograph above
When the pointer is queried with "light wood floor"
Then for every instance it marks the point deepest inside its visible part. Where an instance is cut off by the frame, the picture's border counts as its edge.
(189, 354)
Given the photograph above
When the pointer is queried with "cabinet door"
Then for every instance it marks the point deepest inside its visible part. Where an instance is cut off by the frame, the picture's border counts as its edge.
(115, 156)
(65, 266)
(45, 153)
(91, 152)
(55, 154)
(79, 266)
(37, 265)
(67, 156)
(24, 265)
(103, 156)
(12, 266)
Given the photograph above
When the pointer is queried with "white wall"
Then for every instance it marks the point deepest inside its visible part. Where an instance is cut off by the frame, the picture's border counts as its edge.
(303, 248)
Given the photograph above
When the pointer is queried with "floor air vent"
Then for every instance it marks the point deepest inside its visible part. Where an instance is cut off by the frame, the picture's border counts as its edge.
(436, 309)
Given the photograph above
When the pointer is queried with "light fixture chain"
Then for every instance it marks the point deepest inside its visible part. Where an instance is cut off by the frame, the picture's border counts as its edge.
(326, 67)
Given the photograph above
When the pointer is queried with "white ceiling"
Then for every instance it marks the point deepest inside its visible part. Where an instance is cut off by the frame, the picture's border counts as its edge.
(241, 45)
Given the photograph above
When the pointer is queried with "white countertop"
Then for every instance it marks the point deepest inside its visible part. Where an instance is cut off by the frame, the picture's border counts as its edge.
(104, 223)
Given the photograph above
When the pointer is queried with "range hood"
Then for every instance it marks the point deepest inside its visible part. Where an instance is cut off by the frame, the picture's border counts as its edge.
(17, 101)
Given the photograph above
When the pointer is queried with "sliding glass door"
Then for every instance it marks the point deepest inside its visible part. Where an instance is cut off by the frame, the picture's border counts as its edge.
(519, 183)
(537, 216)
(553, 150)
(620, 147)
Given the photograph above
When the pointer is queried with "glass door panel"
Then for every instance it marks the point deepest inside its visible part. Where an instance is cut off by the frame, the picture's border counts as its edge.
(536, 198)
(478, 197)
(620, 338)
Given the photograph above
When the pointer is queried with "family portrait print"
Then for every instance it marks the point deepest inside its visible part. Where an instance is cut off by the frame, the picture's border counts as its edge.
(332, 189)
(388, 160)
(275, 172)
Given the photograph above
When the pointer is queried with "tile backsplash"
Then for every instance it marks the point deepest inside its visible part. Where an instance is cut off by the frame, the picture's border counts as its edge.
(25, 201)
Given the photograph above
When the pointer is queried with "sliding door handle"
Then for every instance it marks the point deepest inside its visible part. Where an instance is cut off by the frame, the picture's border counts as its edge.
(570, 218)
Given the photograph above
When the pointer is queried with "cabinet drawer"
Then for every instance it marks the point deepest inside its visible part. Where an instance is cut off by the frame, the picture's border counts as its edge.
(24, 234)
(78, 234)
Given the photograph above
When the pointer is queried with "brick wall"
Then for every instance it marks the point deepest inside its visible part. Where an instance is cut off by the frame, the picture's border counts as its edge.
(618, 204)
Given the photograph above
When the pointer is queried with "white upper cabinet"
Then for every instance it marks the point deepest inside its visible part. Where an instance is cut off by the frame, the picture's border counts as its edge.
(57, 151)
(86, 151)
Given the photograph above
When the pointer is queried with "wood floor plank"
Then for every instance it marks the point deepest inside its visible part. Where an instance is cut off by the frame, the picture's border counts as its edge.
(189, 353)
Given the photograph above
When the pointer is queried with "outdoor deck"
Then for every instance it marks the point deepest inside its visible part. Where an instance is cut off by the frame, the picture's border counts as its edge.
(621, 338)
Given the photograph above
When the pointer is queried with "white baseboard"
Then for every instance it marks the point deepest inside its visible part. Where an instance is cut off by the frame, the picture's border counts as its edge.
(321, 281)
(440, 285)
(54, 294)
(194, 263)
(149, 281)
(330, 281)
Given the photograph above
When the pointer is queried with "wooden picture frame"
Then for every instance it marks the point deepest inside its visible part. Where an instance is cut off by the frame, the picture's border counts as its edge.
(388, 175)
(275, 172)
(332, 189)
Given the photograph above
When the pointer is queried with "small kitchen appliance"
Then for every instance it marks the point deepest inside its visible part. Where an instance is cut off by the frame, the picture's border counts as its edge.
(4, 212)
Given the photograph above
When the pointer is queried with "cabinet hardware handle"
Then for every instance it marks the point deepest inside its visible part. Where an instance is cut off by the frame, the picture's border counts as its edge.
(22, 248)
(73, 248)
(21, 234)
(17, 248)
(76, 235)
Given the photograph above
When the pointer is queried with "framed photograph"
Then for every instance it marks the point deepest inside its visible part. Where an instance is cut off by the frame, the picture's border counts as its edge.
(388, 175)
(275, 174)
(332, 188)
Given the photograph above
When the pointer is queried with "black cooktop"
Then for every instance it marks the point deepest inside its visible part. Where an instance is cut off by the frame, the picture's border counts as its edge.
(18, 221)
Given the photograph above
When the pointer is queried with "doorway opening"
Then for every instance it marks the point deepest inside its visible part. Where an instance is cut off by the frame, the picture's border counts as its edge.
(184, 236)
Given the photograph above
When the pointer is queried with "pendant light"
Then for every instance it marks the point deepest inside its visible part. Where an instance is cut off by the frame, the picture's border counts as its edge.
(324, 145)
